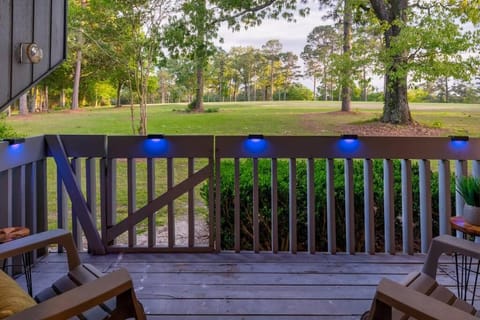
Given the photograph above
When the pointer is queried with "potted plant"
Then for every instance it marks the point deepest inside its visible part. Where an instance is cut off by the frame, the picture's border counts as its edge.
(469, 188)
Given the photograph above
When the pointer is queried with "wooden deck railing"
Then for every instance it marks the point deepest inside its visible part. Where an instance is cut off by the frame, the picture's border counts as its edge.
(118, 193)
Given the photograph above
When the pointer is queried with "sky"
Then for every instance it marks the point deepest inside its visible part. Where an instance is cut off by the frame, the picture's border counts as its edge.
(292, 35)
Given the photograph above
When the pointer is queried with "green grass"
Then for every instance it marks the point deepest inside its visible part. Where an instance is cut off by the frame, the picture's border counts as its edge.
(273, 118)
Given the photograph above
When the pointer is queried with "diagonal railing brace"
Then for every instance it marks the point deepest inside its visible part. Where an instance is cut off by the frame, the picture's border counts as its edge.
(157, 203)
(56, 148)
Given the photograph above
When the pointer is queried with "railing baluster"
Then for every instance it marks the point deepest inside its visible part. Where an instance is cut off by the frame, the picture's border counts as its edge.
(274, 196)
(6, 213)
(18, 196)
(211, 203)
(191, 206)
(476, 173)
(407, 207)
(460, 171)
(42, 197)
(311, 204)
(62, 222)
(425, 205)
(331, 223)
(388, 205)
(256, 226)
(76, 227)
(236, 205)
(292, 195)
(103, 199)
(218, 208)
(369, 212)
(91, 187)
(444, 200)
(476, 168)
(170, 208)
(132, 198)
(152, 225)
(349, 207)
(31, 197)
(42, 201)
(111, 207)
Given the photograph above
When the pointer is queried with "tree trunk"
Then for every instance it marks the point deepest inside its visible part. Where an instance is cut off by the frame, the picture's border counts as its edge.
(22, 105)
(314, 88)
(396, 109)
(62, 98)
(119, 90)
(163, 87)
(132, 110)
(347, 48)
(447, 97)
(78, 68)
(45, 106)
(31, 102)
(199, 89)
(271, 81)
(76, 80)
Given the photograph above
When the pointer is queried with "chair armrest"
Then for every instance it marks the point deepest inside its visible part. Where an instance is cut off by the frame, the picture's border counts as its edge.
(41, 240)
(448, 244)
(82, 298)
(414, 304)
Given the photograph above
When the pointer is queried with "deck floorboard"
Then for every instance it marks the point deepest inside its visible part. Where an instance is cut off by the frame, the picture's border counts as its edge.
(251, 286)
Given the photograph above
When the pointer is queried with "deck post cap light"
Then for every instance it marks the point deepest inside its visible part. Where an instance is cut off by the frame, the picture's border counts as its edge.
(349, 136)
(459, 138)
(156, 136)
(13, 141)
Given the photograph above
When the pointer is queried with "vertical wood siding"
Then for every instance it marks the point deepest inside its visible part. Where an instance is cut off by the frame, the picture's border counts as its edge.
(25, 21)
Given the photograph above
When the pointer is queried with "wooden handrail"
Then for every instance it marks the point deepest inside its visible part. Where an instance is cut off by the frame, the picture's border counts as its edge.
(25, 170)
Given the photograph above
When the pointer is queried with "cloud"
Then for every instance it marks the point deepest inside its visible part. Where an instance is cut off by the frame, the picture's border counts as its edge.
(292, 35)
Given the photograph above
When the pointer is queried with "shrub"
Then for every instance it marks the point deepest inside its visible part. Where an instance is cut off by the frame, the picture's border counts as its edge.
(6, 131)
(246, 207)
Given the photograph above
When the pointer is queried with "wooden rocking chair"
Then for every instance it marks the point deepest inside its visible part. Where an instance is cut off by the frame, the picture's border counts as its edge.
(420, 296)
(84, 292)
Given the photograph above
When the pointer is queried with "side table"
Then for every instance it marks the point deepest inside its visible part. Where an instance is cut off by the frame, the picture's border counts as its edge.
(10, 234)
(464, 268)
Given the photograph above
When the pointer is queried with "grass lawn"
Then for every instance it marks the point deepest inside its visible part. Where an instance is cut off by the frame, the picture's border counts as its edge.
(271, 118)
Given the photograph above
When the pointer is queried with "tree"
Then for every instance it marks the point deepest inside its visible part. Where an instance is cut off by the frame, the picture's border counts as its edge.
(146, 20)
(272, 50)
(78, 61)
(423, 39)
(322, 42)
(22, 104)
(192, 33)
(346, 76)
(290, 70)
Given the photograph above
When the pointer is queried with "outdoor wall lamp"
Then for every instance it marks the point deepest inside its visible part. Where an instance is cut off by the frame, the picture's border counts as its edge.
(14, 141)
(29, 53)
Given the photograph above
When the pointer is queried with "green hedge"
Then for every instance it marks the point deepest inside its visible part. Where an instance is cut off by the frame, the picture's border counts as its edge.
(246, 181)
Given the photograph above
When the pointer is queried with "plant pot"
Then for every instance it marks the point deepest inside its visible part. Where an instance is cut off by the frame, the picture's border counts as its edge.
(471, 214)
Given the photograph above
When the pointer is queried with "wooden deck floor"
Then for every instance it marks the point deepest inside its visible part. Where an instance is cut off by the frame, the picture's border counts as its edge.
(251, 286)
